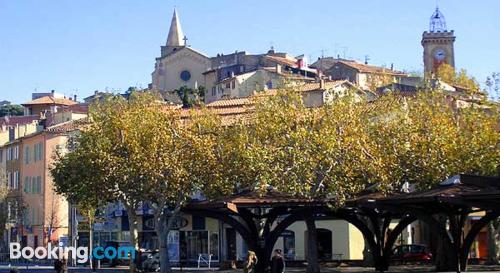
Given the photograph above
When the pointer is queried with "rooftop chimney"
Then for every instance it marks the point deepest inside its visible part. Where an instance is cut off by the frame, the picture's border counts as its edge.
(74, 97)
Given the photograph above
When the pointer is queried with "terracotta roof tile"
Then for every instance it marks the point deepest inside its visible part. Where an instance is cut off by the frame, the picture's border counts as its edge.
(281, 60)
(79, 108)
(13, 120)
(50, 100)
(69, 126)
(229, 102)
(364, 68)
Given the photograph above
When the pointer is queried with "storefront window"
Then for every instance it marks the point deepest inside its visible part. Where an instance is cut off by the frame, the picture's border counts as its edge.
(173, 245)
(214, 245)
(195, 243)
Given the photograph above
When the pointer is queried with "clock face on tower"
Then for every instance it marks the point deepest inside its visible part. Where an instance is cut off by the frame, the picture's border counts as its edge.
(439, 54)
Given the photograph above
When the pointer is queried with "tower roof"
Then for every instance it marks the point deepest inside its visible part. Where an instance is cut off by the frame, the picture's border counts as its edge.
(437, 21)
(175, 35)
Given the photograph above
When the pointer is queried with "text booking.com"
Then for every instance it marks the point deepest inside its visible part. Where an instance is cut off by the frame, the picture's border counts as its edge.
(81, 254)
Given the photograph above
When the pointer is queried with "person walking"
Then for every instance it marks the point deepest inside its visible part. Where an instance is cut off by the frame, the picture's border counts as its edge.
(64, 266)
(250, 262)
(277, 262)
(58, 266)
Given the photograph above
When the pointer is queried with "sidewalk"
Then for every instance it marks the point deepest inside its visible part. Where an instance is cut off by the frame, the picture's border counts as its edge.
(394, 269)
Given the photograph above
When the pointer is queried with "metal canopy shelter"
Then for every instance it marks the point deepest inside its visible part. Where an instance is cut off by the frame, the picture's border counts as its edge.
(261, 217)
(451, 203)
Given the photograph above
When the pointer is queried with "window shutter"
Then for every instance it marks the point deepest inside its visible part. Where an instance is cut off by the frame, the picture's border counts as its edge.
(33, 185)
(39, 184)
(26, 187)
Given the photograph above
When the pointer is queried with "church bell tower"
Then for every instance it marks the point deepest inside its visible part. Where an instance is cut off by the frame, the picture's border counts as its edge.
(438, 44)
(176, 38)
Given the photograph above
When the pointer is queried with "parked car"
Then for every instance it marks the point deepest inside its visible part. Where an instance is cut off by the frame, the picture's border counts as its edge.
(411, 253)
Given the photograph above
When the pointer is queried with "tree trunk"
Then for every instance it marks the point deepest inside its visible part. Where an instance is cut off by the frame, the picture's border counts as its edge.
(446, 258)
(312, 246)
(162, 243)
(134, 235)
(91, 239)
(164, 226)
(492, 242)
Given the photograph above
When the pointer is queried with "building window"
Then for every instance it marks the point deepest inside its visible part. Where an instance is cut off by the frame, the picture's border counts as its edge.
(9, 153)
(16, 152)
(38, 151)
(214, 91)
(214, 245)
(1, 155)
(233, 85)
(12, 134)
(38, 184)
(193, 243)
(185, 75)
(228, 85)
(34, 181)
(9, 180)
(26, 155)
(15, 184)
(27, 186)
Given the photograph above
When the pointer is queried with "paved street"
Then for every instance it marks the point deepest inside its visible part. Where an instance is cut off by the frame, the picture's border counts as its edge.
(395, 269)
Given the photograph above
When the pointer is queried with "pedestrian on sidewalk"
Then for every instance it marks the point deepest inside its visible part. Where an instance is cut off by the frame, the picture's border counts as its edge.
(250, 262)
(277, 262)
(64, 266)
(58, 265)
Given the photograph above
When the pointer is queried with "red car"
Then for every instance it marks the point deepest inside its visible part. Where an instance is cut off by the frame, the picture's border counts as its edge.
(411, 253)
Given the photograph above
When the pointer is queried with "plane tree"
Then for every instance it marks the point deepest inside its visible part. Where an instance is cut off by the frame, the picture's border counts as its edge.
(140, 152)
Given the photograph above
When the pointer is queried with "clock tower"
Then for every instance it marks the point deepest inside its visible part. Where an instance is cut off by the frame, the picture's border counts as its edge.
(438, 44)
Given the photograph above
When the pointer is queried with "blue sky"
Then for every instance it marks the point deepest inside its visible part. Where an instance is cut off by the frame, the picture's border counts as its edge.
(79, 46)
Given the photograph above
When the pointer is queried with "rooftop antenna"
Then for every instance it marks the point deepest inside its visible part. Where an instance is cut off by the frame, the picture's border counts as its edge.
(367, 58)
(323, 53)
(344, 51)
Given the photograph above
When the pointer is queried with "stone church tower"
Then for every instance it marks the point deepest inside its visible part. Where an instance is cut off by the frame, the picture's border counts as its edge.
(175, 39)
(178, 65)
(438, 44)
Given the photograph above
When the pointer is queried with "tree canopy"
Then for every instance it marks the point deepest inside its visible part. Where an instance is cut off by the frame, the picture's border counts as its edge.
(140, 151)
(11, 110)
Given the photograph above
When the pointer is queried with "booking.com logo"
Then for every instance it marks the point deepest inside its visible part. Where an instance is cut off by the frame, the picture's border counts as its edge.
(80, 254)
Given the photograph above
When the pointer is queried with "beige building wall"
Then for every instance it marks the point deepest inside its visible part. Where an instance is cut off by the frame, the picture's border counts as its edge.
(347, 241)
(67, 116)
(19, 131)
(356, 243)
(32, 188)
(55, 206)
(212, 94)
(167, 75)
(313, 98)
